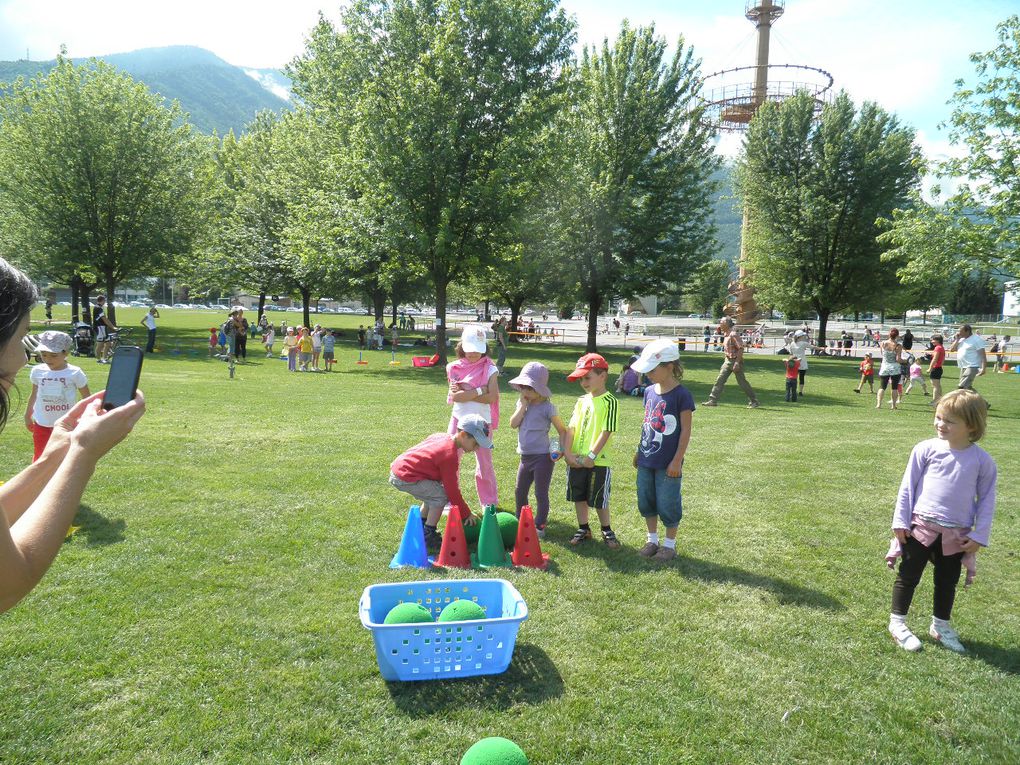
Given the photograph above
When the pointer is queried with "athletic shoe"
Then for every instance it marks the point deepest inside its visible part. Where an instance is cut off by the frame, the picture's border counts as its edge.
(433, 541)
(541, 532)
(609, 537)
(709, 403)
(648, 550)
(947, 636)
(755, 404)
(664, 555)
(904, 638)
(580, 536)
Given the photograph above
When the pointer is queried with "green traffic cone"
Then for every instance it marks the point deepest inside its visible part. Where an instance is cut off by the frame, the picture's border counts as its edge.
(491, 552)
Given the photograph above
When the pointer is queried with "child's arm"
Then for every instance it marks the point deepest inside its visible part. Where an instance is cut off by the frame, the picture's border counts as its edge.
(84, 391)
(31, 407)
(518, 415)
(600, 444)
(566, 444)
(985, 506)
(561, 430)
(449, 476)
(676, 465)
(491, 394)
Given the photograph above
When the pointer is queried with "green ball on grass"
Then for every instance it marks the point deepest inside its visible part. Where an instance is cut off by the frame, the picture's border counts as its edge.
(408, 613)
(494, 751)
(462, 611)
(507, 528)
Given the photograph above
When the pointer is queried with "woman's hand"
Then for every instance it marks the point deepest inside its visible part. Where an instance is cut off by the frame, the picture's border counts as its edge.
(94, 430)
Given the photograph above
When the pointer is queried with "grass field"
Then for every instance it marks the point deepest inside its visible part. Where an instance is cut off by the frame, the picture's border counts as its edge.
(206, 610)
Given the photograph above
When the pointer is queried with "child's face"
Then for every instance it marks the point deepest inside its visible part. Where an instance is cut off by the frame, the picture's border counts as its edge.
(951, 429)
(661, 373)
(472, 356)
(54, 360)
(467, 442)
(529, 394)
(594, 381)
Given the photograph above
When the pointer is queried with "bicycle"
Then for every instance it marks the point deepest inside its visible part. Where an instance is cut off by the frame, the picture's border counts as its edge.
(115, 338)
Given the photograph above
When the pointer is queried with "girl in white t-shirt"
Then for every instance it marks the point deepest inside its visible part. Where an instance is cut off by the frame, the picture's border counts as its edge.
(55, 388)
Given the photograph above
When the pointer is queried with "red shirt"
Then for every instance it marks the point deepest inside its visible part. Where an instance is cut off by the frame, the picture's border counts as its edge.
(791, 369)
(437, 458)
(938, 355)
(867, 368)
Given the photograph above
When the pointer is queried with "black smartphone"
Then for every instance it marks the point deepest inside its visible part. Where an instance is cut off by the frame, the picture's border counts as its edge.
(125, 370)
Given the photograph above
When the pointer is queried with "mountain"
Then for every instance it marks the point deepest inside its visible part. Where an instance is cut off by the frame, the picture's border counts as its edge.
(728, 216)
(217, 95)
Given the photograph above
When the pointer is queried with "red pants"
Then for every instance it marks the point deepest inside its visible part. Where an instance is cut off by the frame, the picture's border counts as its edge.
(40, 437)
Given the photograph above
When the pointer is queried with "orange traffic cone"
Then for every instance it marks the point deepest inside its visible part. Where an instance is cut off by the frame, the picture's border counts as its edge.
(454, 552)
(527, 550)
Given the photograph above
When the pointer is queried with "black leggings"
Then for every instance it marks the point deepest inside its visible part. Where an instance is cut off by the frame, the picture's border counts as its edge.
(947, 576)
(801, 373)
(887, 378)
(242, 345)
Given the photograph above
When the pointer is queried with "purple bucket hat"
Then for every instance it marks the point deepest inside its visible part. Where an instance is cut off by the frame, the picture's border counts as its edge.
(534, 375)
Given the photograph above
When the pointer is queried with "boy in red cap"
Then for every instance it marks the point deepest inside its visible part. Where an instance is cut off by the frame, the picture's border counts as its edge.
(585, 448)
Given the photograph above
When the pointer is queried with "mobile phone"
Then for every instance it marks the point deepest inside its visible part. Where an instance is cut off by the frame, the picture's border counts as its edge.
(125, 370)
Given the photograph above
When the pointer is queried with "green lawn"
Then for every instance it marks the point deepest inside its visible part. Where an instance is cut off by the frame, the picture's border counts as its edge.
(206, 611)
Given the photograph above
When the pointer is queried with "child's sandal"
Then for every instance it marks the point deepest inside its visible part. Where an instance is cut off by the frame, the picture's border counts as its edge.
(609, 537)
(581, 535)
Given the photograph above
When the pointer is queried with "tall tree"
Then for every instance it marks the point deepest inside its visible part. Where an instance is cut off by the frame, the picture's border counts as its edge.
(441, 97)
(98, 170)
(708, 289)
(815, 190)
(635, 197)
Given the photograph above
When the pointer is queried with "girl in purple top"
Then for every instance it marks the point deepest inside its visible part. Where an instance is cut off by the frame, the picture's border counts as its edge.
(943, 513)
(532, 418)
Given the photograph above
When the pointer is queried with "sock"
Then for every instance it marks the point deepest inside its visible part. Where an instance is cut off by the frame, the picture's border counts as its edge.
(939, 622)
(897, 619)
(585, 526)
(606, 528)
(653, 537)
(669, 544)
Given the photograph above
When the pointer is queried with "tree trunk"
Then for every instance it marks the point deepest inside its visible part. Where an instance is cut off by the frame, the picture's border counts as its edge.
(515, 315)
(488, 316)
(441, 320)
(262, 305)
(306, 296)
(594, 304)
(394, 297)
(379, 304)
(823, 320)
(75, 286)
(111, 310)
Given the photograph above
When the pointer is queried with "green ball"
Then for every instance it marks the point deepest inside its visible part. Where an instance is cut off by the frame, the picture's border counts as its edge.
(408, 613)
(507, 528)
(494, 751)
(462, 611)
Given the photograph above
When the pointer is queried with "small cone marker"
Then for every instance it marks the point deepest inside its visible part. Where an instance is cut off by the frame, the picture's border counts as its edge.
(454, 552)
(527, 550)
(491, 552)
(360, 362)
(412, 550)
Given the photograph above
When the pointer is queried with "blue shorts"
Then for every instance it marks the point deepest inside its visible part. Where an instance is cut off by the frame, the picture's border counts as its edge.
(659, 495)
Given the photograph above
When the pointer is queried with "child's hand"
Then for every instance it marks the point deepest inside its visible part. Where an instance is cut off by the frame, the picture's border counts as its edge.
(970, 546)
(471, 520)
(902, 535)
(634, 461)
(28, 420)
(674, 469)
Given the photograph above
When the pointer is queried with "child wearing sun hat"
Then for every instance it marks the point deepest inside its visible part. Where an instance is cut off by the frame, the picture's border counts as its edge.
(56, 386)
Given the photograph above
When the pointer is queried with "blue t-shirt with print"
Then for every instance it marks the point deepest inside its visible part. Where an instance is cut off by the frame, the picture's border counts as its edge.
(660, 431)
(328, 343)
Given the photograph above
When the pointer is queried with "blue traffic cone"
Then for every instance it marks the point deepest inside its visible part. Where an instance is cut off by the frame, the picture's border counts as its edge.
(412, 550)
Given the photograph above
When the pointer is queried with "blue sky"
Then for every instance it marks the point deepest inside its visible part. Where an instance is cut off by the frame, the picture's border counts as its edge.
(904, 54)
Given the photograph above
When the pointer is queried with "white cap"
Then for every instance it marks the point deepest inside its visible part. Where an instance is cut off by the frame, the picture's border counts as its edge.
(472, 340)
(655, 353)
(52, 341)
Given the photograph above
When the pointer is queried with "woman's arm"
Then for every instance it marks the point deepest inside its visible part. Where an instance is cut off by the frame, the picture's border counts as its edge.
(29, 543)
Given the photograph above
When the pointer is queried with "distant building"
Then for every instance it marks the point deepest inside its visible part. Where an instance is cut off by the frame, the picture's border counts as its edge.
(1011, 299)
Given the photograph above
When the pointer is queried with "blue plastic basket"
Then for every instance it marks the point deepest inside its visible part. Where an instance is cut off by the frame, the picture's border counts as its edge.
(449, 649)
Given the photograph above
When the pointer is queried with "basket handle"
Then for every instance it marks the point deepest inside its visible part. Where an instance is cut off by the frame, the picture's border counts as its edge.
(364, 607)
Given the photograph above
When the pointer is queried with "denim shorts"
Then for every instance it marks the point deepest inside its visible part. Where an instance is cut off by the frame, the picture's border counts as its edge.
(659, 495)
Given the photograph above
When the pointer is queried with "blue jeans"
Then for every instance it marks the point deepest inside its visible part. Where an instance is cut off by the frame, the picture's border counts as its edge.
(659, 495)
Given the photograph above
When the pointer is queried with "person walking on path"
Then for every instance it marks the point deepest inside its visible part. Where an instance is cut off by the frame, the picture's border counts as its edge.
(970, 356)
(149, 320)
(733, 350)
(499, 330)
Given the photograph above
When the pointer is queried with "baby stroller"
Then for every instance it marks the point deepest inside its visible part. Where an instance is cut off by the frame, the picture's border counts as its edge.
(82, 338)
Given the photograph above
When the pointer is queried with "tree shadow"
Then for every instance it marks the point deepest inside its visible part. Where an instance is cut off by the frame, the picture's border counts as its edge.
(96, 529)
(532, 678)
(1000, 657)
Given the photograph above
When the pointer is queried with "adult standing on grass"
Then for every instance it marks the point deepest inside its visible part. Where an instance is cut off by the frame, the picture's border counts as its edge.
(39, 503)
(103, 327)
(891, 369)
(970, 356)
(240, 334)
(800, 348)
(733, 349)
(149, 320)
(499, 330)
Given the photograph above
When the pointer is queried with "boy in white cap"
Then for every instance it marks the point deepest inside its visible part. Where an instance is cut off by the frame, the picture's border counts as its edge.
(56, 386)
(665, 435)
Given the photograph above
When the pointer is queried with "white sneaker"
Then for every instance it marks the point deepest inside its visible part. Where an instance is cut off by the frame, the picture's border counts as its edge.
(904, 638)
(947, 636)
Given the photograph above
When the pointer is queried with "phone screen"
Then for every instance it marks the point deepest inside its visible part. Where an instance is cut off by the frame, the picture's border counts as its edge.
(125, 370)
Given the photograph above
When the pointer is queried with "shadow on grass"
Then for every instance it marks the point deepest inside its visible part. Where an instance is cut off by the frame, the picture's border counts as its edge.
(96, 529)
(1005, 659)
(626, 561)
(531, 679)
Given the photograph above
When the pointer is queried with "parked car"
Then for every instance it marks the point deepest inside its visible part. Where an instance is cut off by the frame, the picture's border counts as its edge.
(181, 305)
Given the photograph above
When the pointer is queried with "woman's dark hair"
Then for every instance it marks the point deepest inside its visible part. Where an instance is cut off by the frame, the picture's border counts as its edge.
(17, 296)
